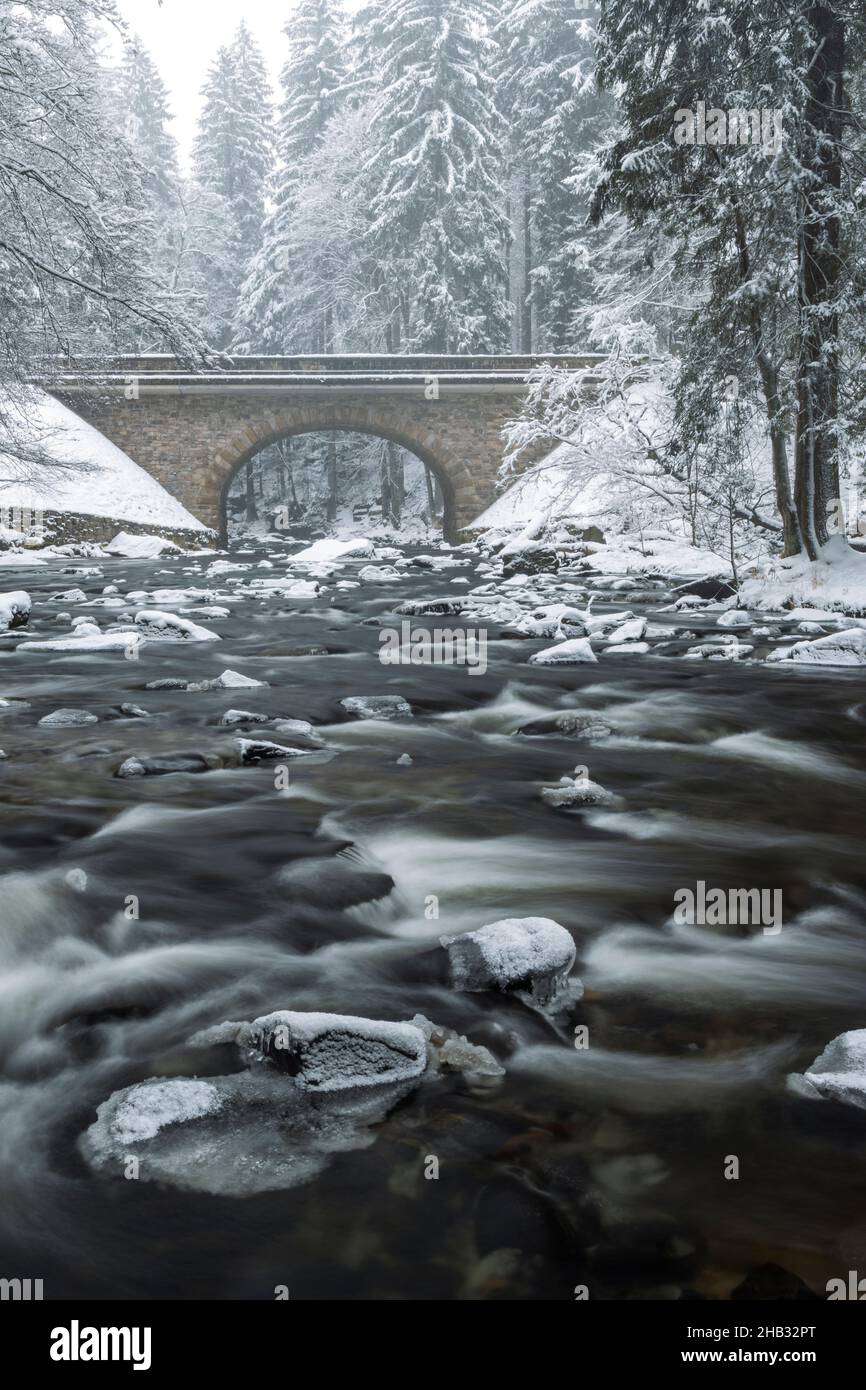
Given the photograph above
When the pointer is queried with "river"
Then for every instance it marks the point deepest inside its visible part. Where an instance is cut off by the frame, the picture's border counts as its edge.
(136, 911)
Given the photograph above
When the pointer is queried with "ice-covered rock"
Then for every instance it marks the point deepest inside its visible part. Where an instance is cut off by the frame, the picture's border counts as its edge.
(578, 791)
(634, 648)
(234, 680)
(559, 620)
(141, 547)
(158, 625)
(532, 955)
(450, 1051)
(335, 1052)
(330, 549)
(838, 1074)
(846, 648)
(571, 653)
(146, 766)
(259, 750)
(243, 716)
(631, 631)
(87, 641)
(382, 574)
(377, 707)
(14, 609)
(734, 617)
(66, 718)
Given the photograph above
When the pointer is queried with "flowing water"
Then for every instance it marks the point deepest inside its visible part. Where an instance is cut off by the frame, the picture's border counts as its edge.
(600, 1165)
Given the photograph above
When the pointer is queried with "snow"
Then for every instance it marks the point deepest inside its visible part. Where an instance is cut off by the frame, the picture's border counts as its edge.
(846, 648)
(569, 653)
(141, 1111)
(530, 953)
(234, 680)
(14, 608)
(331, 549)
(88, 642)
(839, 1073)
(835, 581)
(168, 627)
(333, 1052)
(140, 547)
(114, 486)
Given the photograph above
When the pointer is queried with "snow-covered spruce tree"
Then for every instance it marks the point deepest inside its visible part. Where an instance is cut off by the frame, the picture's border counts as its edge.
(762, 220)
(73, 231)
(437, 163)
(312, 80)
(232, 158)
(555, 114)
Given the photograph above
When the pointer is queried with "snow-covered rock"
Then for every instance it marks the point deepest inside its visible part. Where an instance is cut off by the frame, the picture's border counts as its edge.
(87, 641)
(578, 791)
(14, 608)
(234, 680)
(377, 707)
(243, 716)
(839, 1073)
(259, 750)
(335, 1052)
(332, 549)
(67, 718)
(847, 648)
(630, 631)
(158, 626)
(629, 648)
(141, 547)
(571, 653)
(147, 766)
(528, 954)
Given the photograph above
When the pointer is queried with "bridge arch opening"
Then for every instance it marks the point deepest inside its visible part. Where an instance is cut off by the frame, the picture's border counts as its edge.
(314, 479)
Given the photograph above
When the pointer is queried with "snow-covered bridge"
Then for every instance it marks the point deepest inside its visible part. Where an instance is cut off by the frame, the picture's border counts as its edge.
(192, 430)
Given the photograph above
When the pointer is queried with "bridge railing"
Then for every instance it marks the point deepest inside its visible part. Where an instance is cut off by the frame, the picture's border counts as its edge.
(338, 364)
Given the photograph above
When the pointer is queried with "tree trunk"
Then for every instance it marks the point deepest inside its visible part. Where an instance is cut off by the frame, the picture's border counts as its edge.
(816, 457)
(332, 478)
(526, 289)
(252, 512)
(431, 495)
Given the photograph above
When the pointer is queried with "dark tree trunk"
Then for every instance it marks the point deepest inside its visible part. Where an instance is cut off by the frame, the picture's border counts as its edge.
(816, 461)
(251, 512)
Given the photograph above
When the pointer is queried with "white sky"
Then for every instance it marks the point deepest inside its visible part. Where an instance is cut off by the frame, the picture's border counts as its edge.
(182, 37)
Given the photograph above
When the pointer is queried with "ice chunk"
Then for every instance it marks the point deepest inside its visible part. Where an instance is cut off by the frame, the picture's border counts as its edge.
(257, 750)
(529, 954)
(334, 1052)
(141, 1111)
(569, 653)
(88, 641)
(839, 1073)
(449, 1051)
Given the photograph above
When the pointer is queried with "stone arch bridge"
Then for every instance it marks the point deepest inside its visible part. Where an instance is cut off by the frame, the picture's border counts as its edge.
(193, 430)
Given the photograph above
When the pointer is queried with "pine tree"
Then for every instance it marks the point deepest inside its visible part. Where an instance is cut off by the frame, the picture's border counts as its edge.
(312, 78)
(437, 163)
(555, 114)
(232, 162)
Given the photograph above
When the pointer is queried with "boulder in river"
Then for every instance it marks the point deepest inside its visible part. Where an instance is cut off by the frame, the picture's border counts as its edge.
(145, 766)
(838, 1074)
(532, 955)
(14, 609)
(67, 718)
(334, 1052)
(571, 653)
(377, 707)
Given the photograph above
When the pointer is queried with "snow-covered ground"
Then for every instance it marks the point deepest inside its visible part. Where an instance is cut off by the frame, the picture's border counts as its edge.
(836, 581)
(109, 484)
